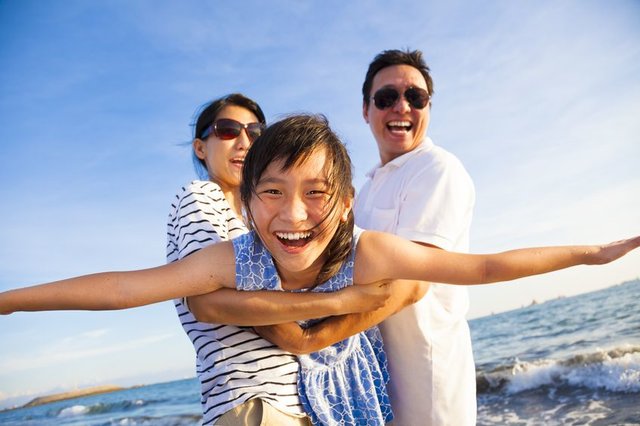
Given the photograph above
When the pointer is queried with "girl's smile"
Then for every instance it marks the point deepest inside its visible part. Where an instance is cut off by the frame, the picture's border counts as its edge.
(294, 239)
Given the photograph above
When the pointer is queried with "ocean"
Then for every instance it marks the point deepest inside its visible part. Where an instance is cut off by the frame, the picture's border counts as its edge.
(569, 361)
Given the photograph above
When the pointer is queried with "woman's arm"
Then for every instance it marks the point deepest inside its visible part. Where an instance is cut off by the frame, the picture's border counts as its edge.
(256, 308)
(383, 255)
(292, 338)
(204, 271)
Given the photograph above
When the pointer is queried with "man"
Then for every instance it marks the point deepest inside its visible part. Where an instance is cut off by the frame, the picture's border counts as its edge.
(421, 192)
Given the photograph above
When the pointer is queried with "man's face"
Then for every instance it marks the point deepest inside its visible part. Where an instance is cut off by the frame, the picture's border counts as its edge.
(401, 127)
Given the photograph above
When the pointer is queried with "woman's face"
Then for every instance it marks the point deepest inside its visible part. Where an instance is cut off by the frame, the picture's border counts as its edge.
(296, 217)
(224, 157)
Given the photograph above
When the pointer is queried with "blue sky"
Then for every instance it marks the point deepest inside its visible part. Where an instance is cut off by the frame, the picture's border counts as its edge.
(540, 100)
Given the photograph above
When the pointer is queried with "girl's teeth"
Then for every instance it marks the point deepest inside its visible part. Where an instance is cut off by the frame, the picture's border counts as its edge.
(293, 235)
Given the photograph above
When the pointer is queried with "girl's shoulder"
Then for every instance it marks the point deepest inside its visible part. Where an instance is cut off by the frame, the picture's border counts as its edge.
(373, 250)
(364, 238)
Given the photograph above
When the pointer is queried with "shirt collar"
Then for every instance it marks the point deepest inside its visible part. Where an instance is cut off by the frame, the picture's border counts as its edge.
(398, 162)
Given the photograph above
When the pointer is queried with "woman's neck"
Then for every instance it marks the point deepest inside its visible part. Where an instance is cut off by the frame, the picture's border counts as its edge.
(233, 198)
(232, 195)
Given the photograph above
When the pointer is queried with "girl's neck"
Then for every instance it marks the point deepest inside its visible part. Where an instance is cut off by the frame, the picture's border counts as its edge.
(298, 280)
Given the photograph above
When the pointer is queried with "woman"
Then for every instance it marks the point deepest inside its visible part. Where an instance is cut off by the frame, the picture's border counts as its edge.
(297, 192)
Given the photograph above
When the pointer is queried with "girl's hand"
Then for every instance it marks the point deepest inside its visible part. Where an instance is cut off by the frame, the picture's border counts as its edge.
(367, 297)
(600, 255)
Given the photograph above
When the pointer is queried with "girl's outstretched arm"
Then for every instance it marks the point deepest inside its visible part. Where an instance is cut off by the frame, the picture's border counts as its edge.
(204, 271)
(382, 255)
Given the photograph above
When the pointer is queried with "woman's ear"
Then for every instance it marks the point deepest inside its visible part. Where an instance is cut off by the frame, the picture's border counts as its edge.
(199, 148)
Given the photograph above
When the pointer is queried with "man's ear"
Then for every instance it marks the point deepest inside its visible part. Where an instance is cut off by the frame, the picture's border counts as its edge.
(365, 112)
(198, 148)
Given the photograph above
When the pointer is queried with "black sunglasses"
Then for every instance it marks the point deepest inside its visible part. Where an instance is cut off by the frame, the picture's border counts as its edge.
(388, 96)
(226, 128)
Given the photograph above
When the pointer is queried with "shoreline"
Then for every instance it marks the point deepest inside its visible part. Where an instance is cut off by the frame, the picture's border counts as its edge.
(95, 390)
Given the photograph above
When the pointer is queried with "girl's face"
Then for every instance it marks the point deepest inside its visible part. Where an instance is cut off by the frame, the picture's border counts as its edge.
(224, 157)
(292, 212)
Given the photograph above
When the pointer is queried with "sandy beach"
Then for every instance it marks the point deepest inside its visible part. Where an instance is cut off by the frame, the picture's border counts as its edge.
(72, 394)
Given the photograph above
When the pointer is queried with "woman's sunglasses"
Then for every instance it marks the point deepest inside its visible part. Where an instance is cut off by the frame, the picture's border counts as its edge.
(388, 96)
(226, 128)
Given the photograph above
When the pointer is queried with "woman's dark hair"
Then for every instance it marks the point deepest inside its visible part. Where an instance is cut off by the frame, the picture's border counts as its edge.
(208, 113)
(293, 140)
(388, 58)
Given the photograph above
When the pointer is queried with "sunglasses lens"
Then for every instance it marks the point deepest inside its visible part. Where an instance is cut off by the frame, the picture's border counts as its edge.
(254, 130)
(227, 129)
(385, 98)
(417, 98)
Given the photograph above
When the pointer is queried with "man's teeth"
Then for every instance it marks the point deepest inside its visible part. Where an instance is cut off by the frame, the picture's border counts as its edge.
(293, 235)
(406, 124)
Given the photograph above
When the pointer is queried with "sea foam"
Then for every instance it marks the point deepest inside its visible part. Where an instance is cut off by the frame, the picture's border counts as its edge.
(75, 410)
(614, 370)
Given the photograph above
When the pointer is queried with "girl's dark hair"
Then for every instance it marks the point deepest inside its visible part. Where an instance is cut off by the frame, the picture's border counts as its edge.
(388, 58)
(293, 140)
(208, 113)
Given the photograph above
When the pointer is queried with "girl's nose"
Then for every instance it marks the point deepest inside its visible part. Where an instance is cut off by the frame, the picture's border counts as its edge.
(294, 210)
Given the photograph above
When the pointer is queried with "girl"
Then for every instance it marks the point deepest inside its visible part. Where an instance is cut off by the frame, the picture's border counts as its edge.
(296, 189)
(209, 211)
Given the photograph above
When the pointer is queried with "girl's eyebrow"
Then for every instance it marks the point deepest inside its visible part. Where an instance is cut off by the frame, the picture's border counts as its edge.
(278, 179)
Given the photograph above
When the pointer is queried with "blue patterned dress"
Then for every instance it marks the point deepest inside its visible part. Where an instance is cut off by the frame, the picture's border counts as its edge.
(342, 384)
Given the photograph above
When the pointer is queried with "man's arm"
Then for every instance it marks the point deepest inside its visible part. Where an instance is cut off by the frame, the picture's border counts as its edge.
(291, 337)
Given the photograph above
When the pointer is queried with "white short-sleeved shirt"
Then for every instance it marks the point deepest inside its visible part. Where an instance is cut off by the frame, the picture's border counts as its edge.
(426, 195)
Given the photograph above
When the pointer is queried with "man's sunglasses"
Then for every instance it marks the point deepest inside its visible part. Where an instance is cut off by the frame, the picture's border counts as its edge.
(226, 128)
(388, 96)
